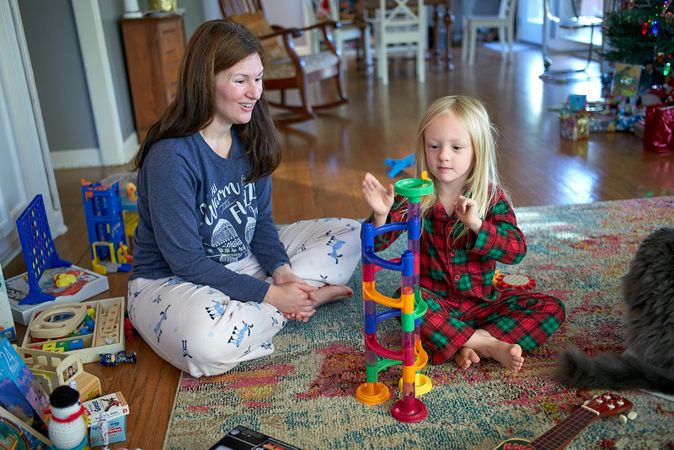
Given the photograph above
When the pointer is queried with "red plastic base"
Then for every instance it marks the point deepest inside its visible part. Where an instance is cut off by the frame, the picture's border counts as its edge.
(403, 413)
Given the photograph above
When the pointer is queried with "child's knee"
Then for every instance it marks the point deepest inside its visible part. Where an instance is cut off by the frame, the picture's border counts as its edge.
(558, 308)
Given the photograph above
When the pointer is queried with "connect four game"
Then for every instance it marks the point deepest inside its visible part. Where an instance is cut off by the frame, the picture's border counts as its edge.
(38, 248)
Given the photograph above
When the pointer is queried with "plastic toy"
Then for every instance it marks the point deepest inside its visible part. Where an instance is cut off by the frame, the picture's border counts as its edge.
(56, 369)
(105, 267)
(410, 307)
(105, 227)
(38, 249)
(398, 165)
(64, 279)
(104, 429)
(504, 281)
(112, 359)
(127, 180)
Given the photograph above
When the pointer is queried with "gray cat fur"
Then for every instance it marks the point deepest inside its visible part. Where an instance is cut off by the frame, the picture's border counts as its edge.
(648, 360)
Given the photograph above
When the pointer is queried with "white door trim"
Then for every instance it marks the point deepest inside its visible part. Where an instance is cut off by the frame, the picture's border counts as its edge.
(23, 131)
(100, 84)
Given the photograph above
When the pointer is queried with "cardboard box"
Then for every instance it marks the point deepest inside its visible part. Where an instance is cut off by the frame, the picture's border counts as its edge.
(20, 392)
(116, 432)
(6, 321)
(574, 126)
(108, 335)
(87, 284)
(110, 406)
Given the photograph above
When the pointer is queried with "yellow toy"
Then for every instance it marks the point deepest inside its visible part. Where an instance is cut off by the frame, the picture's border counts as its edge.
(56, 369)
(119, 260)
(64, 279)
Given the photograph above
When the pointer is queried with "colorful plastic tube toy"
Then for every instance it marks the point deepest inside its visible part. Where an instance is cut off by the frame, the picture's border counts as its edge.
(410, 307)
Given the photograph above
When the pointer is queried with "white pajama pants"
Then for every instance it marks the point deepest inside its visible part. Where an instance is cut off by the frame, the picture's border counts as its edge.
(202, 331)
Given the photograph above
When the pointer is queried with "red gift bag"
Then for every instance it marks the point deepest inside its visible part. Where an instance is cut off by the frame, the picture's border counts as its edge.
(659, 130)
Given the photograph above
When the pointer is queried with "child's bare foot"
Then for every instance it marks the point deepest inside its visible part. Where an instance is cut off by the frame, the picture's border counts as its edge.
(509, 355)
(330, 293)
(465, 357)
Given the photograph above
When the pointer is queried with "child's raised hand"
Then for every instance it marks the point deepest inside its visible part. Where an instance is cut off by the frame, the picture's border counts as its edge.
(379, 198)
(466, 209)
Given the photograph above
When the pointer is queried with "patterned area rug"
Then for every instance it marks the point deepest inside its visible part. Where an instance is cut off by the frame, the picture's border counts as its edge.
(304, 393)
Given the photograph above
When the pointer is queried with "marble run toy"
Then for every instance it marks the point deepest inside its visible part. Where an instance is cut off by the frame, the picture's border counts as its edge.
(105, 227)
(410, 307)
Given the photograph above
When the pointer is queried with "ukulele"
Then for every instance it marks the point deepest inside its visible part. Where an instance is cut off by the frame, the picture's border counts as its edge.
(604, 405)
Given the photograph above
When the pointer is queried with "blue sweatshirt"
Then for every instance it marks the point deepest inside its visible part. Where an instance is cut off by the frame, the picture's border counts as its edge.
(196, 214)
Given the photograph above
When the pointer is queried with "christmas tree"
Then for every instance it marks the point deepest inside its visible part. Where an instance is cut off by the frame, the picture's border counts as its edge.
(642, 32)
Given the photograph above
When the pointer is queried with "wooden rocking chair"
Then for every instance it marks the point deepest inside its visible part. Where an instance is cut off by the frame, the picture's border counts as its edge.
(284, 68)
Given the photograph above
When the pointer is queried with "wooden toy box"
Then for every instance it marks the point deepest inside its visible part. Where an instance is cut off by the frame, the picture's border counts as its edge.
(108, 335)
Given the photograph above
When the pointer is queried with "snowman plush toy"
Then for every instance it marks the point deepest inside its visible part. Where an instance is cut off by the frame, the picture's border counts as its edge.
(67, 427)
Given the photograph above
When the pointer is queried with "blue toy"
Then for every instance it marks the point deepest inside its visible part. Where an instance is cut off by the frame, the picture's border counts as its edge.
(105, 227)
(38, 249)
(398, 165)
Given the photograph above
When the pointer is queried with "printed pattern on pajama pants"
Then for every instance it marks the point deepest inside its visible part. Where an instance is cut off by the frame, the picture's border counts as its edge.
(516, 317)
(203, 331)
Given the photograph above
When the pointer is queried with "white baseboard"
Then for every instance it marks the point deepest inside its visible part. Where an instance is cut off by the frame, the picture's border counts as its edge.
(131, 145)
(70, 159)
(91, 157)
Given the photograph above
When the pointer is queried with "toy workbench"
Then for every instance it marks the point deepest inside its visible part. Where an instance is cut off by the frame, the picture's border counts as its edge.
(89, 329)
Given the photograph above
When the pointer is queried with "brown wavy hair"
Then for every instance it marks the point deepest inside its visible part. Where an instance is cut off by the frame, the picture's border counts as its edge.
(215, 46)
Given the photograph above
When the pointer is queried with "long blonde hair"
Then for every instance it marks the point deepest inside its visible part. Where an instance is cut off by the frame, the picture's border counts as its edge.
(483, 182)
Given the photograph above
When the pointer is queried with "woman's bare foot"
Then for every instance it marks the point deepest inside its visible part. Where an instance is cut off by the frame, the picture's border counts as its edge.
(330, 293)
(509, 355)
(465, 357)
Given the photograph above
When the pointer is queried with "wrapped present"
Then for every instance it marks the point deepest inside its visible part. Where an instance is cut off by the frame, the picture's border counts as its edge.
(577, 102)
(639, 128)
(626, 80)
(626, 123)
(574, 126)
(602, 123)
(659, 129)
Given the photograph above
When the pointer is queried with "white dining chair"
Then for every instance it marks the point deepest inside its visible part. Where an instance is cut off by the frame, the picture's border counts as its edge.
(504, 21)
(574, 22)
(354, 28)
(400, 22)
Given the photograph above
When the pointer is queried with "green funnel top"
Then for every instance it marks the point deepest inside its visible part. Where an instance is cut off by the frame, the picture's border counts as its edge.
(414, 188)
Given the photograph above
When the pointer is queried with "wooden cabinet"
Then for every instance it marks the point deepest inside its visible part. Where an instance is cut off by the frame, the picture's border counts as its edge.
(154, 47)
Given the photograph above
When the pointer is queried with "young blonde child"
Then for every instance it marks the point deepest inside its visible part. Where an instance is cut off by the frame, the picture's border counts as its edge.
(468, 225)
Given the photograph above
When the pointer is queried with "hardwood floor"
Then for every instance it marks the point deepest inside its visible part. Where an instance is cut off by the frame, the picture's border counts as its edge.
(325, 160)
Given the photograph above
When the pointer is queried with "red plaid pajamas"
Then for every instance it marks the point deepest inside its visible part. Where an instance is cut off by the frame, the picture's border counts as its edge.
(456, 282)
